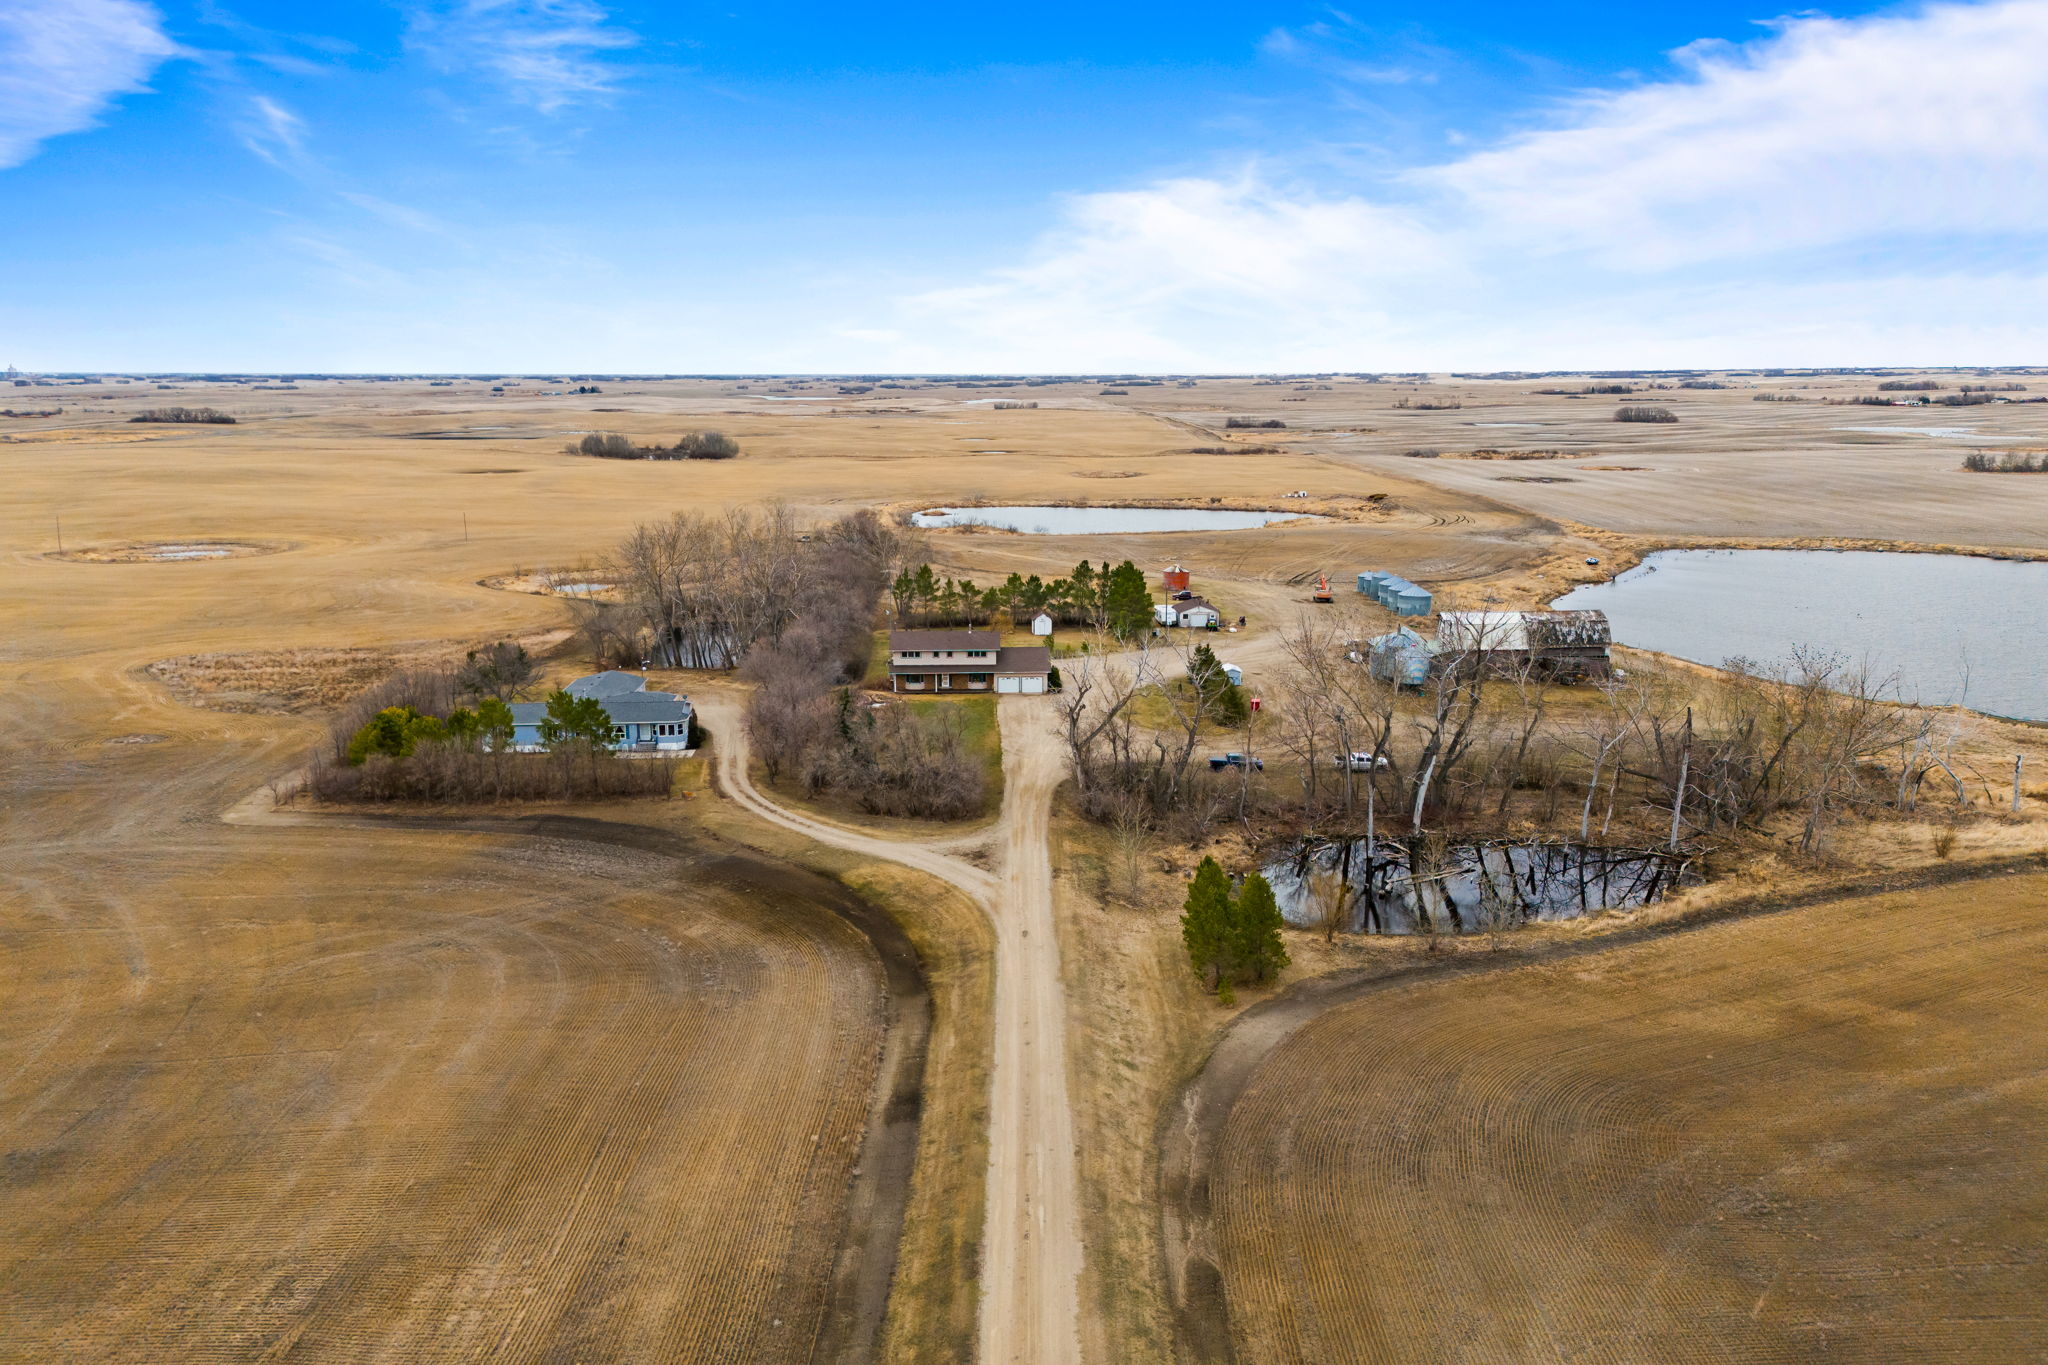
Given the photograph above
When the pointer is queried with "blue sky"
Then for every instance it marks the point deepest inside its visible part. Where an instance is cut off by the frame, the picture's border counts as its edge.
(568, 184)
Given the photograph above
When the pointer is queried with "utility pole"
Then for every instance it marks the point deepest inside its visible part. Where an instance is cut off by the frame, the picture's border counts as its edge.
(2019, 763)
(465, 528)
(60, 533)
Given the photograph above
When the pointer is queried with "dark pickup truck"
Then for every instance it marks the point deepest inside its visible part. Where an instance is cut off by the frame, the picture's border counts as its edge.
(1217, 762)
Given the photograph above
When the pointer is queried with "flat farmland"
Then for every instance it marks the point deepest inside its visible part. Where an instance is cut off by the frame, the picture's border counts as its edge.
(1730, 467)
(343, 1094)
(1809, 1136)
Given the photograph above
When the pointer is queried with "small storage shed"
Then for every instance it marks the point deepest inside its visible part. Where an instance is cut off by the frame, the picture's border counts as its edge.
(1041, 624)
(1234, 673)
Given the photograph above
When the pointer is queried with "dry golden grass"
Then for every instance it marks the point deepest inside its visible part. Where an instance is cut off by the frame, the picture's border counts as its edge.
(1805, 1136)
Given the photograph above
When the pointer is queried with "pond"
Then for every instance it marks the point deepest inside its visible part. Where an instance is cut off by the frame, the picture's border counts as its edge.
(1096, 521)
(1373, 889)
(1952, 629)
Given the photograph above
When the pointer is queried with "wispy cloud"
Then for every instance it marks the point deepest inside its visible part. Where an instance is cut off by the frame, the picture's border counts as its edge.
(272, 131)
(1833, 191)
(63, 61)
(547, 54)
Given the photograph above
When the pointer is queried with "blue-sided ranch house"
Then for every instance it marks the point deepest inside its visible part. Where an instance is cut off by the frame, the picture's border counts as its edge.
(642, 721)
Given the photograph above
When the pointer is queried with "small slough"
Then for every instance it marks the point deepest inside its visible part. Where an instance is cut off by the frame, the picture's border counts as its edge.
(1401, 886)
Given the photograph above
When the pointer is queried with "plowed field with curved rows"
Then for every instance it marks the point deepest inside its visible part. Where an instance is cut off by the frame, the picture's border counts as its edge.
(357, 1095)
(352, 1095)
(1814, 1136)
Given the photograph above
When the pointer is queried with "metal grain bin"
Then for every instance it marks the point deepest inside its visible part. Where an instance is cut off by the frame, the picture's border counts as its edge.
(1412, 601)
(1369, 580)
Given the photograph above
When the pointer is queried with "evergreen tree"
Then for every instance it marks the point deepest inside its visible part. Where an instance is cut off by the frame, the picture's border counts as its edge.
(1082, 588)
(1127, 601)
(570, 719)
(1205, 922)
(1255, 950)
(1222, 700)
(494, 724)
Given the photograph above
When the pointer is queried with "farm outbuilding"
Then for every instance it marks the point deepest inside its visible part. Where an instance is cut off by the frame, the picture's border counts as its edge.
(1569, 646)
(1176, 580)
(1194, 614)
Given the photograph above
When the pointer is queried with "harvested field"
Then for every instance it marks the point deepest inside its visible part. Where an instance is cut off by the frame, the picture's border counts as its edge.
(1811, 1135)
(368, 1095)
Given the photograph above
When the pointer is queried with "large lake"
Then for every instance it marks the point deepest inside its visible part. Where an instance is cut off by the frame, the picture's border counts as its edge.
(1938, 622)
(1095, 521)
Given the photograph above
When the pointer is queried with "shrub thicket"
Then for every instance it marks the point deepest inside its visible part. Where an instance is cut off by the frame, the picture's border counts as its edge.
(1633, 412)
(691, 445)
(2005, 462)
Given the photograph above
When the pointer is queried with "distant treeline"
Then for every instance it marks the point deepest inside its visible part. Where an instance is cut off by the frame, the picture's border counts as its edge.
(2005, 462)
(1644, 413)
(1252, 423)
(1966, 399)
(206, 416)
(691, 445)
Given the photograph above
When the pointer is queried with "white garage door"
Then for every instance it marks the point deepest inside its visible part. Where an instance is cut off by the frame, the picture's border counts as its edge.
(1033, 684)
(1009, 684)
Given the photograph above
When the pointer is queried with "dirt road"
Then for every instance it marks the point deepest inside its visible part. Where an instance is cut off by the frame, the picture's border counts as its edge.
(1031, 1257)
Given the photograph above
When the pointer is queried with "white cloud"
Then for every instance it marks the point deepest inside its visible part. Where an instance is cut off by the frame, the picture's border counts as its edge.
(548, 54)
(1833, 192)
(272, 131)
(63, 61)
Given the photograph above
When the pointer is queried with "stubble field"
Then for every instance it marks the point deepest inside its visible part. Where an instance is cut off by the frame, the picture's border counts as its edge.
(1812, 1136)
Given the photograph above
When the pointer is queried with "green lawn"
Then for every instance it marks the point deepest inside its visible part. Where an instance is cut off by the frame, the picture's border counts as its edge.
(978, 731)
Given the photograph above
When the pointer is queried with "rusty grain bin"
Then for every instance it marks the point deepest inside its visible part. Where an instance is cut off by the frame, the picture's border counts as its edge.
(1176, 579)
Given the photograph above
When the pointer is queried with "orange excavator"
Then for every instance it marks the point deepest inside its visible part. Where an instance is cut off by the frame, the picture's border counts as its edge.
(1322, 592)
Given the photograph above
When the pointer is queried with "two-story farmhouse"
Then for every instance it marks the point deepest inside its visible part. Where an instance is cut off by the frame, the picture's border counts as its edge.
(642, 721)
(964, 661)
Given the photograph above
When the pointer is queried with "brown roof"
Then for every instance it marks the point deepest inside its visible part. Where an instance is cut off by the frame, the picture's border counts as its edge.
(943, 639)
(1024, 659)
(1192, 604)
